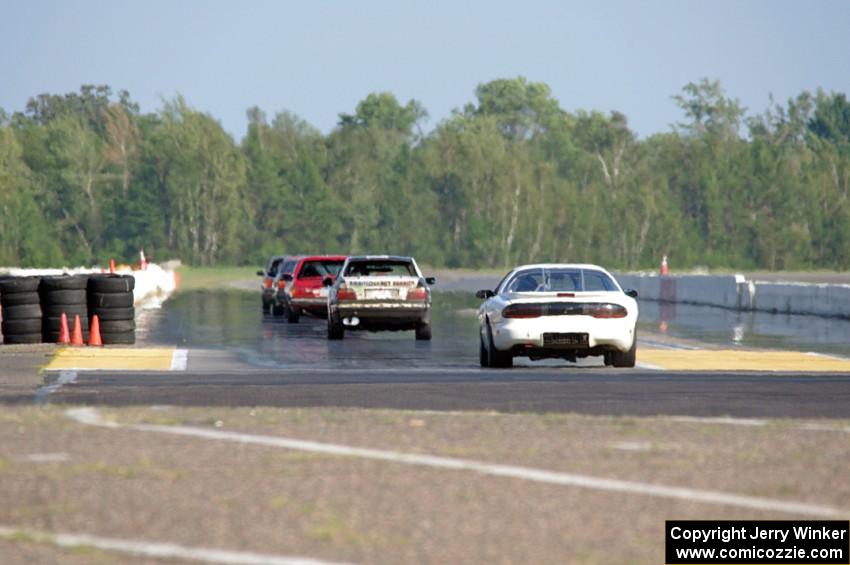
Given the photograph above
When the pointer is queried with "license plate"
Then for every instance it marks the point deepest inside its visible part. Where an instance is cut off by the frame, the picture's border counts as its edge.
(323, 292)
(381, 294)
(577, 340)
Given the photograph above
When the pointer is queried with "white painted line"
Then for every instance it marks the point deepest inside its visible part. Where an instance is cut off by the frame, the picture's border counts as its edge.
(631, 446)
(65, 377)
(723, 420)
(648, 366)
(91, 417)
(158, 550)
(815, 427)
(827, 356)
(809, 426)
(58, 457)
(179, 359)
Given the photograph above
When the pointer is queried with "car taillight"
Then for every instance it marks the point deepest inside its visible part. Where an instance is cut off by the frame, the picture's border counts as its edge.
(524, 311)
(345, 293)
(300, 292)
(267, 283)
(594, 309)
(418, 293)
(603, 310)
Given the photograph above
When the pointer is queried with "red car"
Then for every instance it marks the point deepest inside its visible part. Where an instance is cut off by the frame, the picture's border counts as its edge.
(304, 291)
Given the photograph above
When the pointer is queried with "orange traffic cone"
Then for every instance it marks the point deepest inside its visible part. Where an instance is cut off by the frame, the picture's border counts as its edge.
(77, 334)
(665, 270)
(112, 266)
(64, 334)
(94, 332)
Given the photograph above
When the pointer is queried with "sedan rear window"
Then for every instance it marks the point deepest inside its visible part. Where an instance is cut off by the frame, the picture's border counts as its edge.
(559, 280)
(273, 268)
(320, 269)
(380, 269)
(288, 266)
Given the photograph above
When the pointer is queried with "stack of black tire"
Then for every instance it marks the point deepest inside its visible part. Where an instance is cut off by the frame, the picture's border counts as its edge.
(21, 310)
(63, 294)
(111, 299)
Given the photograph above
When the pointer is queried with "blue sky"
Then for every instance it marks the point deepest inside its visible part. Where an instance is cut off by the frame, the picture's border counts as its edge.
(319, 58)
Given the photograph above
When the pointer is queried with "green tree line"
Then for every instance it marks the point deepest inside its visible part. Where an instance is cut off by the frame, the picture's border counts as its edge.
(510, 178)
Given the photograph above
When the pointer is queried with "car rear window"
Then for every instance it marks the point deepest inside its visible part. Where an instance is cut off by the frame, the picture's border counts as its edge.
(273, 268)
(312, 269)
(560, 280)
(288, 266)
(380, 269)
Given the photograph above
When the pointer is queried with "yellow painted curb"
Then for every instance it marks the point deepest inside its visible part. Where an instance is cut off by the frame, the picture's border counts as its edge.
(741, 360)
(122, 359)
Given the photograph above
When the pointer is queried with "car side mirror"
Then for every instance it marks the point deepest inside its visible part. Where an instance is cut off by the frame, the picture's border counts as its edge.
(632, 292)
(261, 273)
(484, 294)
(431, 280)
(286, 277)
(327, 281)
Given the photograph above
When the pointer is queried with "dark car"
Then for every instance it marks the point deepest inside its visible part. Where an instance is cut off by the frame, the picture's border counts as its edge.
(267, 286)
(377, 293)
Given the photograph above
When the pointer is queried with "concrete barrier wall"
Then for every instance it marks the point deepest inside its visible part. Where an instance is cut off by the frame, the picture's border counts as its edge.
(802, 298)
(736, 293)
(708, 290)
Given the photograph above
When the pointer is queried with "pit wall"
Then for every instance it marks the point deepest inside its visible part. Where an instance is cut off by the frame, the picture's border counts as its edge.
(735, 292)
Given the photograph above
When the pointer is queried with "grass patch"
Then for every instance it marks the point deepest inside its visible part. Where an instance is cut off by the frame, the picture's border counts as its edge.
(198, 278)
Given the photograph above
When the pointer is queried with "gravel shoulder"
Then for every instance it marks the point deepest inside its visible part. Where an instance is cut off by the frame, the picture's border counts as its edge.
(60, 475)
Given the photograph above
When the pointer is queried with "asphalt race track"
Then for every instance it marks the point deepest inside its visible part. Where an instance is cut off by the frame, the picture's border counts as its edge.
(584, 391)
(240, 357)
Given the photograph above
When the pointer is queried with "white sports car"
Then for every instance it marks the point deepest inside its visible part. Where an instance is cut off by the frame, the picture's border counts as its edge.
(558, 310)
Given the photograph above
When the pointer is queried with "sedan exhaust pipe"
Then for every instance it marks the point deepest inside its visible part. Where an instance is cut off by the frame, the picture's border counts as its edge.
(352, 321)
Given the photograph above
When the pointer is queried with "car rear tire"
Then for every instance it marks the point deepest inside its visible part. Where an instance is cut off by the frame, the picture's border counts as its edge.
(483, 358)
(335, 328)
(293, 314)
(628, 358)
(423, 331)
(496, 358)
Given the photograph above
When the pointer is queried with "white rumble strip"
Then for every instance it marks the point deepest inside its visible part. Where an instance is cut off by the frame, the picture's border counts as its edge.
(179, 359)
(156, 550)
(90, 416)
